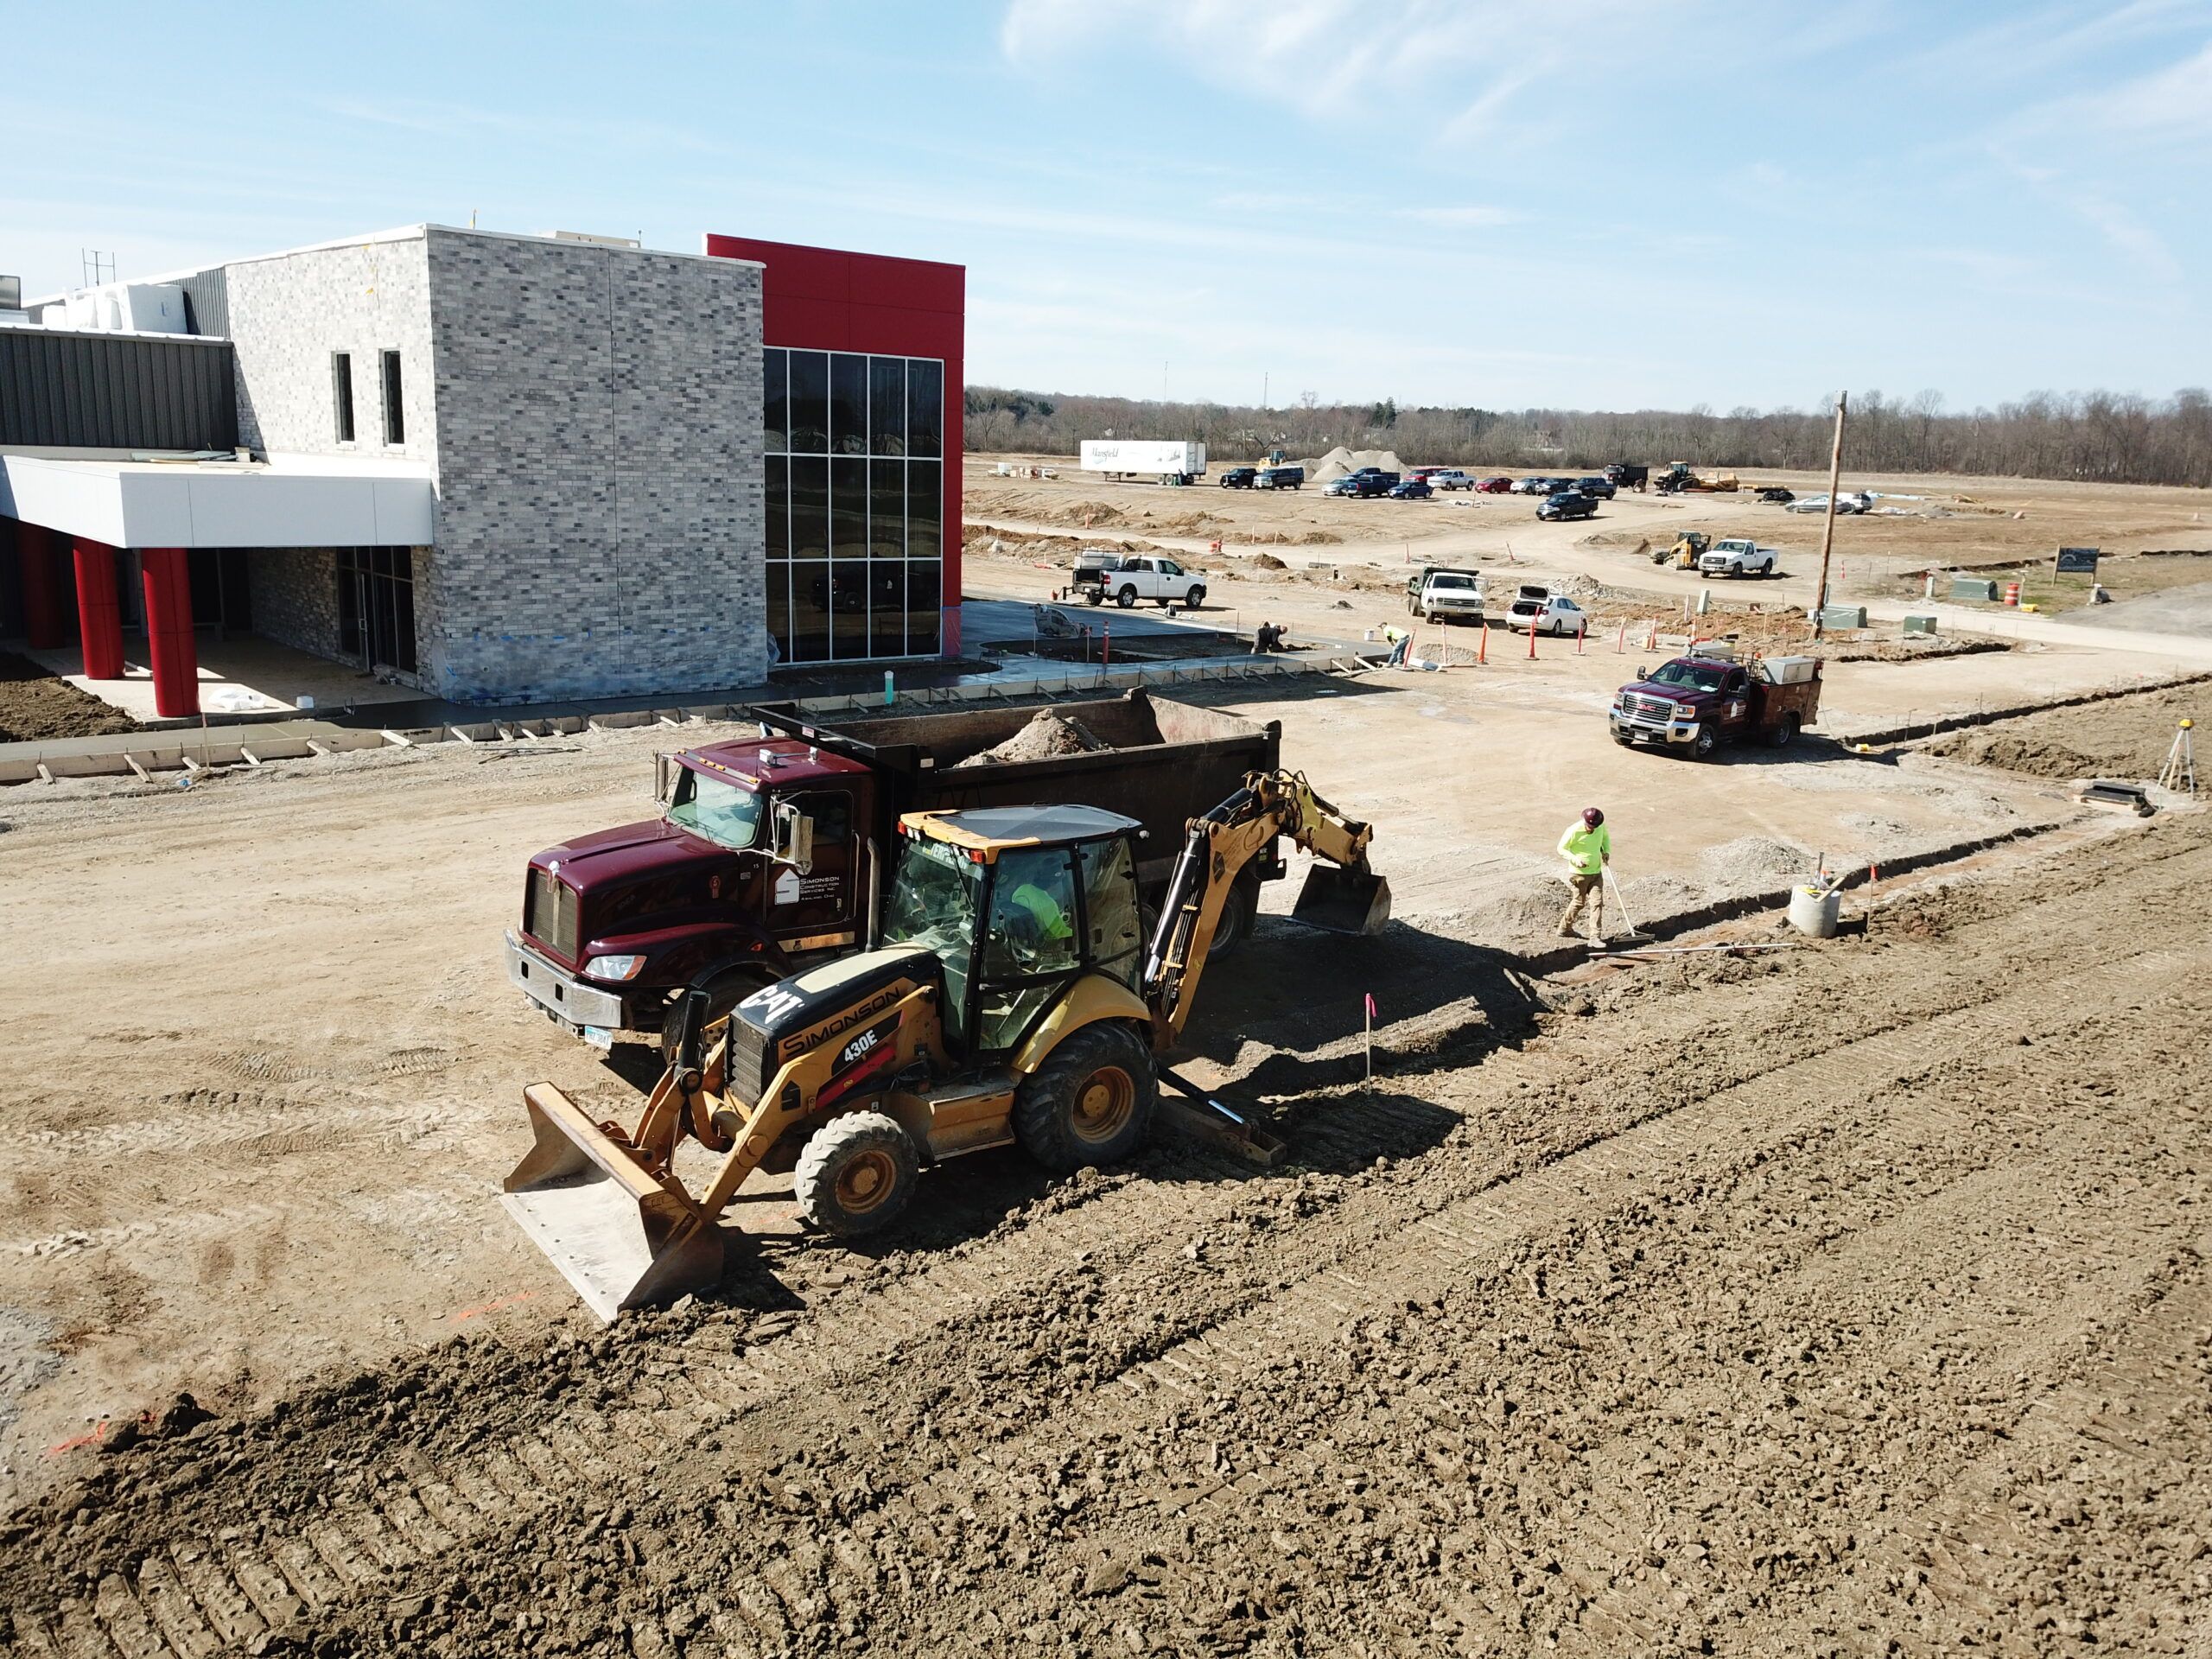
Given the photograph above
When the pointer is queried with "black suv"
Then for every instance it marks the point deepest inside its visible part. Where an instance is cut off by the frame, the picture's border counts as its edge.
(1568, 504)
(1282, 478)
(1595, 486)
(1239, 477)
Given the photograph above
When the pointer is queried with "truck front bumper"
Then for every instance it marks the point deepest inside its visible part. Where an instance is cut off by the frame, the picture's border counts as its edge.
(1630, 728)
(583, 1008)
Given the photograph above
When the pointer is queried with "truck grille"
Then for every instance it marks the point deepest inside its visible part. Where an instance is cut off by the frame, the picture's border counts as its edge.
(746, 1064)
(552, 918)
(1636, 706)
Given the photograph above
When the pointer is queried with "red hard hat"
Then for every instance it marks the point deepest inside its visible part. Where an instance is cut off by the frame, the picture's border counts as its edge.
(1592, 817)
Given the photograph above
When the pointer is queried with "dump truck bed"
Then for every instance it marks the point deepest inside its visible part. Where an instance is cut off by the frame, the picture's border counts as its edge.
(1165, 761)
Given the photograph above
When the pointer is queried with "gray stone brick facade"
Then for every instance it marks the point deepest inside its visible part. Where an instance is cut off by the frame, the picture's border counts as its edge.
(599, 471)
(592, 418)
(293, 593)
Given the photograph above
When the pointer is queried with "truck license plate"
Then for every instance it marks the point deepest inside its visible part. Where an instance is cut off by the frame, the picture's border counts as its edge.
(599, 1037)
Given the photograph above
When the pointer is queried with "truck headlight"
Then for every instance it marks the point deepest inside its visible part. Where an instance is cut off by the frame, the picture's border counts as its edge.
(1684, 711)
(613, 967)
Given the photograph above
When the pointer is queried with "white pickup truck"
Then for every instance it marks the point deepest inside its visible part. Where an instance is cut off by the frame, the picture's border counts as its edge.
(1737, 558)
(1440, 595)
(1101, 574)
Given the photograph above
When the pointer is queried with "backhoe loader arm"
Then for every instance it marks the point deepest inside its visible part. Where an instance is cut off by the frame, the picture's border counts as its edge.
(1216, 848)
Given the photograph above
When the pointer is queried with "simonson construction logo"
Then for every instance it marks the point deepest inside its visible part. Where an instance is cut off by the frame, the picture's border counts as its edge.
(845, 1021)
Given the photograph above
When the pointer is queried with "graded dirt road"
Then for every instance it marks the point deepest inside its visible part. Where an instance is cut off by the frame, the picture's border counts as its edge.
(1853, 1300)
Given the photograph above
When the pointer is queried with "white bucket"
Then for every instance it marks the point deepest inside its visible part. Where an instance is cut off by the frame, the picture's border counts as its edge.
(1814, 911)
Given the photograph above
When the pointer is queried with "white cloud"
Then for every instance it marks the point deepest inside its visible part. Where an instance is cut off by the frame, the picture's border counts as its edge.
(1466, 218)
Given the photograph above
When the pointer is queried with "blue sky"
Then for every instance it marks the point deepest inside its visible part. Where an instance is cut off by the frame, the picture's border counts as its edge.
(1588, 204)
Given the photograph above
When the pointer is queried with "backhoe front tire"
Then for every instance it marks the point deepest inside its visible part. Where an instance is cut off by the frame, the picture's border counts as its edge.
(1091, 1102)
(723, 995)
(856, 1174)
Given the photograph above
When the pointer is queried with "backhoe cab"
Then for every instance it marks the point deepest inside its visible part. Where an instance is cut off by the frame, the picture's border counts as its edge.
(1014, 999)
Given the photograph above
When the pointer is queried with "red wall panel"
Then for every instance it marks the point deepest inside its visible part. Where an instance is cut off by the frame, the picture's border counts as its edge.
(826, 300)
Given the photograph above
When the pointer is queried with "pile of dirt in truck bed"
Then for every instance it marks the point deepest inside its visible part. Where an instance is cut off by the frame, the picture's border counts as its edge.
(2120, 737)
(1046, 736)
(37, 705)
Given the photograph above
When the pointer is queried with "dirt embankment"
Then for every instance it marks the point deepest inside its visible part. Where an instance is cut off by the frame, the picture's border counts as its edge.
(2120, 737)
(1854, 1295)
(37, 705)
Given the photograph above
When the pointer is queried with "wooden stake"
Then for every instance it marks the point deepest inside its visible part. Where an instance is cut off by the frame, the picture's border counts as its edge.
(1827, 530)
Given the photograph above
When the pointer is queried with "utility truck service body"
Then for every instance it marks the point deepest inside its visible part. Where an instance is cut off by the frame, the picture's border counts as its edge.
(1171, 462)
(616, 924)
(1695, 703)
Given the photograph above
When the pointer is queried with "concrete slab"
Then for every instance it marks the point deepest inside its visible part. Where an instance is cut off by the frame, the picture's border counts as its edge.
(243, 675)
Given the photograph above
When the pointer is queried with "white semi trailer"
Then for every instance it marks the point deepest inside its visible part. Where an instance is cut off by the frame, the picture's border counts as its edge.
(1169, 462)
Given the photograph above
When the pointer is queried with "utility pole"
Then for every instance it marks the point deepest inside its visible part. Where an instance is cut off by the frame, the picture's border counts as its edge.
(1827, 530)
(1265, 376)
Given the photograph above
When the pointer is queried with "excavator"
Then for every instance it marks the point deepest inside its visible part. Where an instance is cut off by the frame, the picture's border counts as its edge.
(1016, 999)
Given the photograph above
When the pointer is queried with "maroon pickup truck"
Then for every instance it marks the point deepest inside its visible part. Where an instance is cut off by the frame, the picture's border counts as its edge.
(1693, 704)
(769, 852)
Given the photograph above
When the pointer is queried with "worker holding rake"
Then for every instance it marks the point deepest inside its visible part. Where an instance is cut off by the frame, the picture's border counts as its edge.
(1587, 847)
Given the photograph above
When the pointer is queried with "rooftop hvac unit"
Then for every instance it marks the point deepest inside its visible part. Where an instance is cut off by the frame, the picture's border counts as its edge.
(11, 292)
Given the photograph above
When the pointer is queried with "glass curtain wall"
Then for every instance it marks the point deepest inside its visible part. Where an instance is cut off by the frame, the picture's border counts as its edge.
(855, 504)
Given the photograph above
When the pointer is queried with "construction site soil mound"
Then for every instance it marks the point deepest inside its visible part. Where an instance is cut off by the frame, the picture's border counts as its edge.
(1843, 1297)
(37, 706)
(1340, 461)
(2118, 737)
(1046, 736)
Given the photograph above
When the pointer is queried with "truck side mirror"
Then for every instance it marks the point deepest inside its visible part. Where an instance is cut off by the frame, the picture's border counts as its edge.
(663, 776)
(793, 842)
(1642, 671)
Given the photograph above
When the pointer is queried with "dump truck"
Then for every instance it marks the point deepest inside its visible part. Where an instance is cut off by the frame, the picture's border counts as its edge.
(1016, 998)
(1695, 703)
(616, 923)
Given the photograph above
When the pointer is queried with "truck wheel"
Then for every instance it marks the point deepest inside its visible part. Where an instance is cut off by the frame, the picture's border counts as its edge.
(1097, 596)
(1091, 1102)
(1195, 598)
(1238, 913)
(856, 1174)
(1784, 733)
(1706, 745)
(722, 994)
(1127, 599)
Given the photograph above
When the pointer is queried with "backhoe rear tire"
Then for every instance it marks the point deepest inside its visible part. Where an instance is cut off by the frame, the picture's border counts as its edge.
(1091, 1102)
(856, 1174)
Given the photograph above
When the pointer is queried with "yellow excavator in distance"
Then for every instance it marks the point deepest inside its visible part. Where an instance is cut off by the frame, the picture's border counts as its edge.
(1014, 999)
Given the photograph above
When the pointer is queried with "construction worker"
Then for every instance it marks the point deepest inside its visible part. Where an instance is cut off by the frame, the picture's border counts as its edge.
(1587, 847)
(1400, 641)
(1037, 925)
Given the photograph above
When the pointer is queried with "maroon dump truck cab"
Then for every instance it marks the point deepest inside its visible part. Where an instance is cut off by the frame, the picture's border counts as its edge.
(615, 923)
(1694, 704)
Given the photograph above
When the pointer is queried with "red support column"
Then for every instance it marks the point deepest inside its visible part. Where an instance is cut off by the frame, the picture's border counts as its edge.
(168, 631)
(99, 612)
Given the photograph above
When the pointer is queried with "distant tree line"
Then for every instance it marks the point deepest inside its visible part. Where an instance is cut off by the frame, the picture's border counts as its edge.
(2106, 436)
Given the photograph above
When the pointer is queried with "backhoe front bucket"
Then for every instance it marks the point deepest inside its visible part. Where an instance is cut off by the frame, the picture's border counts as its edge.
(1338, 901)
(620, 1237)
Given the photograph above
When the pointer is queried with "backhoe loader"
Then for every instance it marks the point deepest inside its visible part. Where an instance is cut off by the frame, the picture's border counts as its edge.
(1014, 1000)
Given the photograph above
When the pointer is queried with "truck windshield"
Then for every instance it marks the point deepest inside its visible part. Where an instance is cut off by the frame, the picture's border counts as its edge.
(723, 813)
(934, 903)
(1450, 582)
(1702, 677)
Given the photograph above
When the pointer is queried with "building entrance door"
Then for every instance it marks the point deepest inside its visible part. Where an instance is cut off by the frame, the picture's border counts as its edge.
(376, 607)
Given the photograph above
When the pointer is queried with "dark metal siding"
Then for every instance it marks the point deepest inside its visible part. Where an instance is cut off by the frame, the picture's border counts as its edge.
(117, 391)
(207, 301)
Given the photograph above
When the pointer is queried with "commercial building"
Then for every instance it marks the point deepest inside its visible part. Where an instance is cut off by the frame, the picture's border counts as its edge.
(500, 468)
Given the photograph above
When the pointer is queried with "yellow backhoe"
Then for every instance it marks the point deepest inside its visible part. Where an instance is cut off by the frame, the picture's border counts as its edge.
(1014, 999)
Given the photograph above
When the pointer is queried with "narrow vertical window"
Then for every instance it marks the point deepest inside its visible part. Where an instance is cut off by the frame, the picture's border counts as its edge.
(395, 425)
(341, 393)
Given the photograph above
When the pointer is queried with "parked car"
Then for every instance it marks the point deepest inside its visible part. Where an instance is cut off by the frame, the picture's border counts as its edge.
(1567, 504)
(1776, 495)
(1450, 478)
(1595, 486)
(1239, 477)
(1345, 485)
(1497, 485)
(1737, 557)
(1411, 489)
(1440, 595)
(1422, 472)
(1534, 484)
(1367, 482)
(1280, 477)
(1546, 612)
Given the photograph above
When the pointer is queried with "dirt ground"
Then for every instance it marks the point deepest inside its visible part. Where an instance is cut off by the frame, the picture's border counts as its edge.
(1849, 1300)
(2126, 739)
(1939, 522)
(37, 705)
